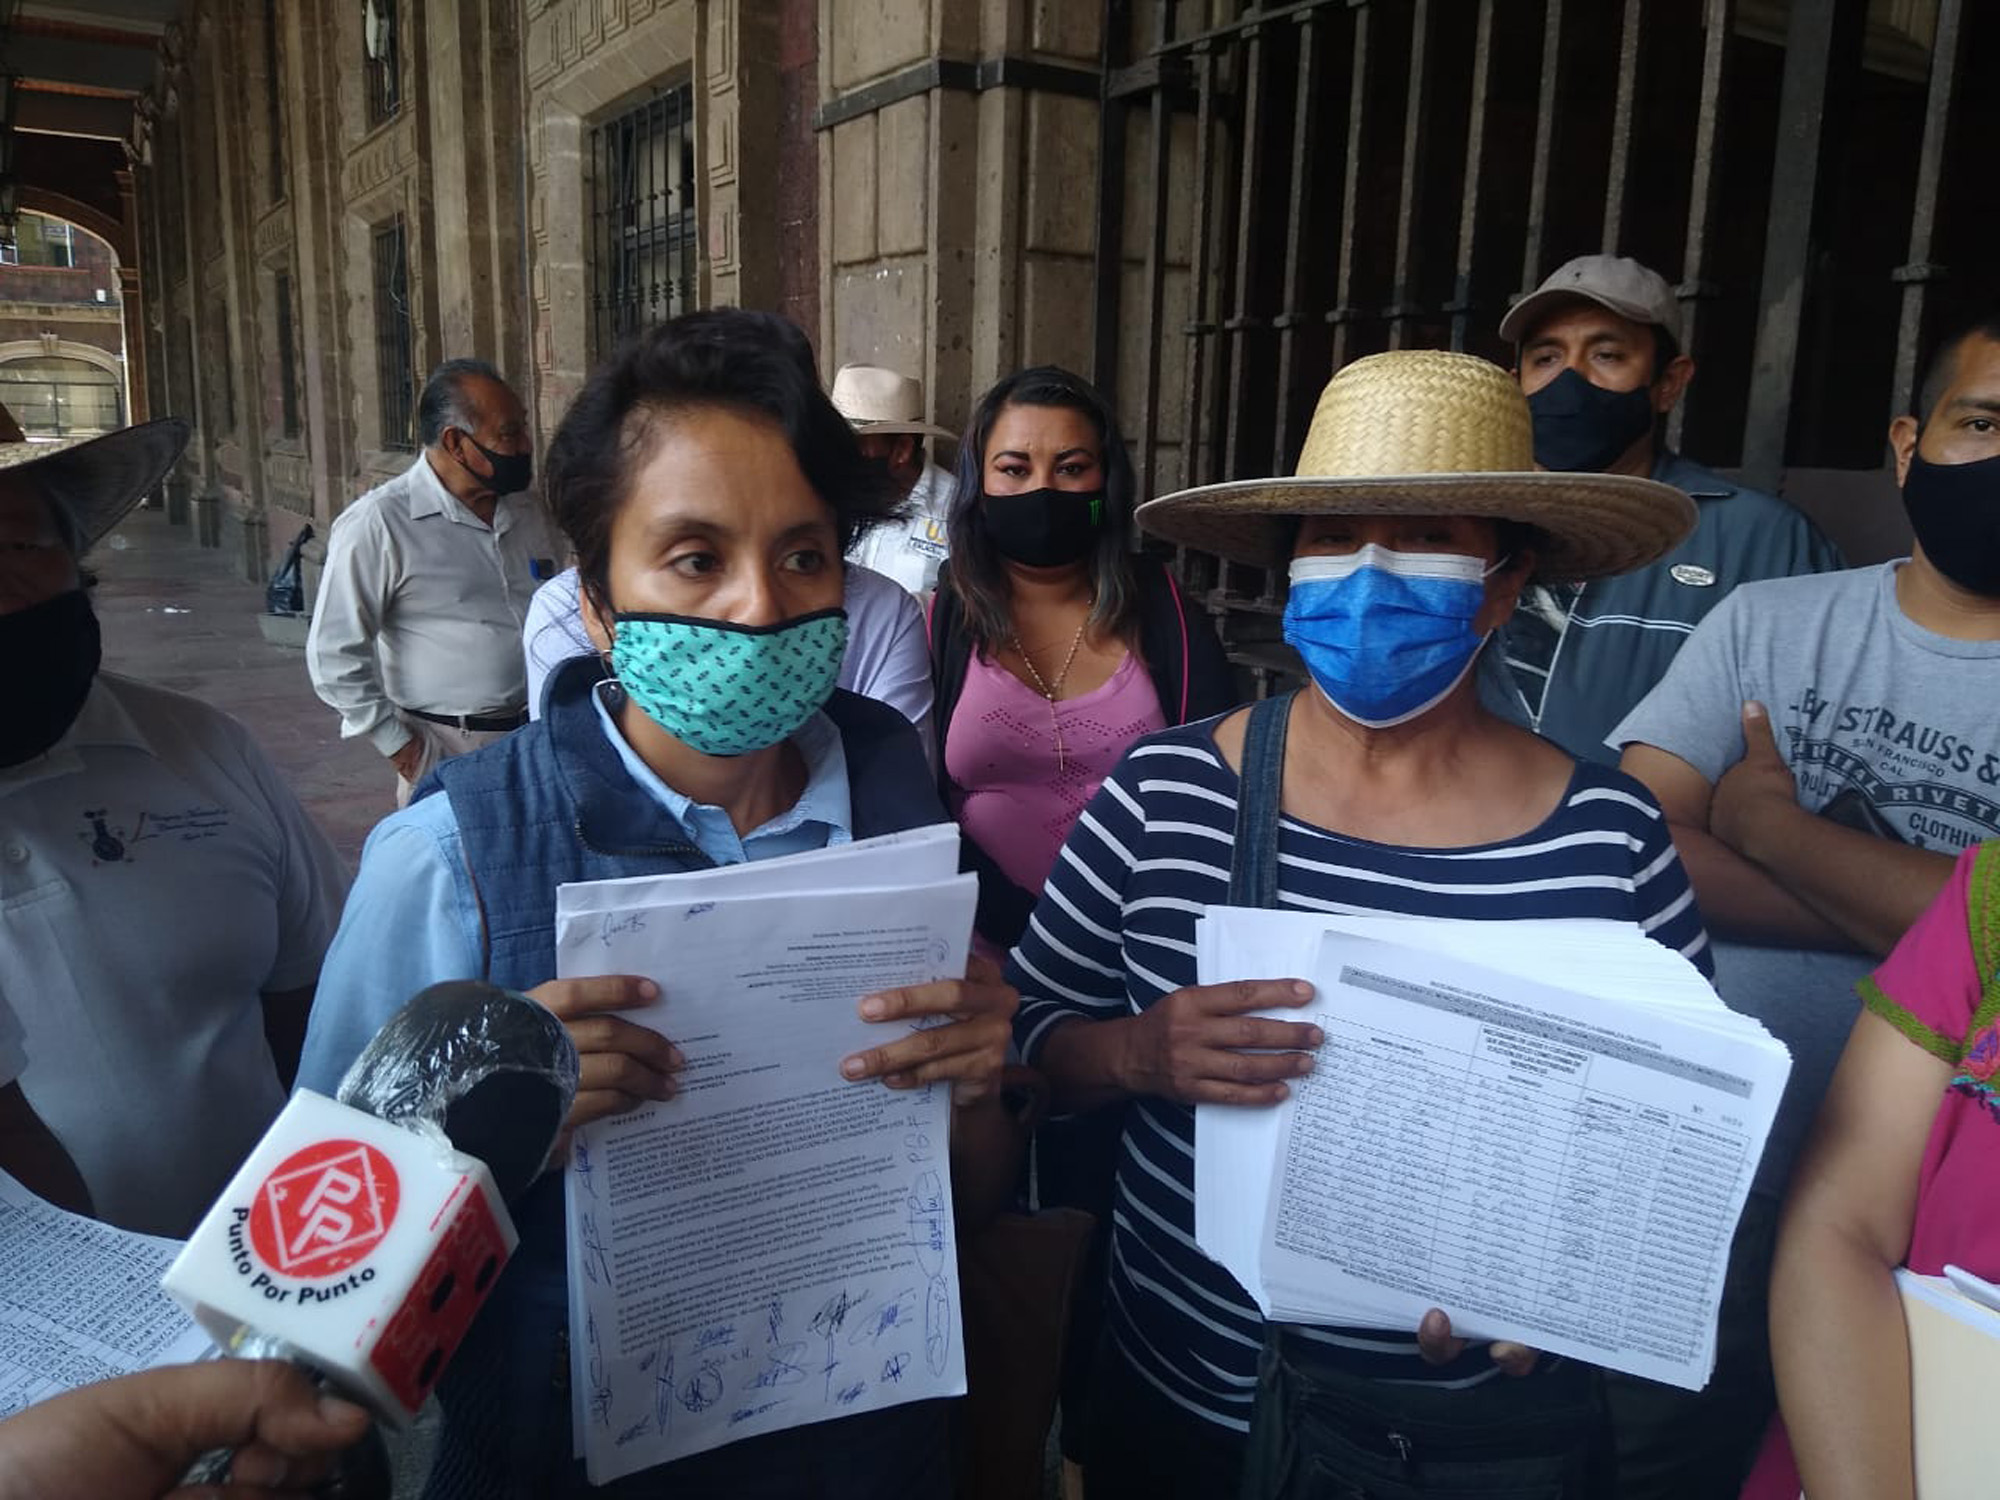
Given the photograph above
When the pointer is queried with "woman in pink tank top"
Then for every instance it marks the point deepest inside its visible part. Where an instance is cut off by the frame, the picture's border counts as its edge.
(1054, 645)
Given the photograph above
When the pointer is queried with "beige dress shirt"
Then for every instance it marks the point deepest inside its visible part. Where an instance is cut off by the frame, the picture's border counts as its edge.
(421, 605)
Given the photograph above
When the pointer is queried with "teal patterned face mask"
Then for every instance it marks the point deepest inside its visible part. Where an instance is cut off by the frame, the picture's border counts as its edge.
(728, 689)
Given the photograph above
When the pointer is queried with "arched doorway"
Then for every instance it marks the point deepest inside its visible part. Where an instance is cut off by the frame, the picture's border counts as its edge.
(62, 331)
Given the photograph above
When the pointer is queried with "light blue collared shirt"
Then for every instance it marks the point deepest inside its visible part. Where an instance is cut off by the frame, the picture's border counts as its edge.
(412, 919)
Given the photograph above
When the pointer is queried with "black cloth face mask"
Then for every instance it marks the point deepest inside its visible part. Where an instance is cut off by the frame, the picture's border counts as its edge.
(1955, 511)
(1583, 429)
(1044, 528)
(52, 652)
(512, 472)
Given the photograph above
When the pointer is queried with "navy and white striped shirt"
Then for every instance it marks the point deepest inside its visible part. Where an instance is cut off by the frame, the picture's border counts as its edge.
(1114, 932)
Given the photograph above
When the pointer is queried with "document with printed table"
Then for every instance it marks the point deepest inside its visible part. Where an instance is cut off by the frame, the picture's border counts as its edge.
(1546, 1128)
(775, 1245)
(81, 1302)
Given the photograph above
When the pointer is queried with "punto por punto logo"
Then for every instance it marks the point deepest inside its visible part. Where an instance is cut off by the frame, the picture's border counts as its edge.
(323, 1209)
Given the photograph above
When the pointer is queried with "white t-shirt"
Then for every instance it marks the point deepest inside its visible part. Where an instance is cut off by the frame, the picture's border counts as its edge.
(910, 551)
(888, 650)
(156, 879)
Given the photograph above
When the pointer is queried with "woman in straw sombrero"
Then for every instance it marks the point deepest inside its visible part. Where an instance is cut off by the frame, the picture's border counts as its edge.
(1413, 523)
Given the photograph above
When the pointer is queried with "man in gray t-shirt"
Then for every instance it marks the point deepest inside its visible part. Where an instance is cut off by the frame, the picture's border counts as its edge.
(1880, 724)
(1823, 747)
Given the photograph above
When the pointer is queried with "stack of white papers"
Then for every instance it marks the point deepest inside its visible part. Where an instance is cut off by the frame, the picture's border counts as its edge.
(1546, 1128)
(775, 1245)
(81, 1302)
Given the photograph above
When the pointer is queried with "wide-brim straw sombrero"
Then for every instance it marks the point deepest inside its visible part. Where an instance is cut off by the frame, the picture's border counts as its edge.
(98, 480)
(1424, 432)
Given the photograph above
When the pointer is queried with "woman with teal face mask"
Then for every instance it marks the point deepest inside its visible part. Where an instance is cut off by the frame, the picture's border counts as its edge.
(710, 491)
(1381, 785)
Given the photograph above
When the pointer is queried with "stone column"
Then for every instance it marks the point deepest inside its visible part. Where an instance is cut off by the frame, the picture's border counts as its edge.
(958, 178)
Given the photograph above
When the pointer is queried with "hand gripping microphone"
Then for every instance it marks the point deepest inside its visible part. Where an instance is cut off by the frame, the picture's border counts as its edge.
(364, 1232)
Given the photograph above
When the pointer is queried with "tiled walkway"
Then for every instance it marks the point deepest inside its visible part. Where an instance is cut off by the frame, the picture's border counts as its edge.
(174, 614)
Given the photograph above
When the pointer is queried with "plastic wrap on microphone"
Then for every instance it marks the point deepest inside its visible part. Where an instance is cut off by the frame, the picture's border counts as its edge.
(363, 1233)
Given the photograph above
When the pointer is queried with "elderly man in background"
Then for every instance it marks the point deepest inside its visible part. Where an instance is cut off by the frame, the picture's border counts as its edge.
(164, 900)
(416, 634)
(887, 413)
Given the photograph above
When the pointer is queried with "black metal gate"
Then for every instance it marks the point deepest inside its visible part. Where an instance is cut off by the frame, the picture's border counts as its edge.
(1374, 174)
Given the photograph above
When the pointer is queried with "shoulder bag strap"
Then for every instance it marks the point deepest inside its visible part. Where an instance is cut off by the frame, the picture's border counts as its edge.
(1253, 863)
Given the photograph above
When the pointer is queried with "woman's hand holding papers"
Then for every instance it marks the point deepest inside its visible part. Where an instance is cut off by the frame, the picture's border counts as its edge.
(1200, 1045)
(1438, 1345)
(622, 1064)
(964, 1027)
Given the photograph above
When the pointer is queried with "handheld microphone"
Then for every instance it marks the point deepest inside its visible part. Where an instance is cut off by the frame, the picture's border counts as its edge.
(364, 1232)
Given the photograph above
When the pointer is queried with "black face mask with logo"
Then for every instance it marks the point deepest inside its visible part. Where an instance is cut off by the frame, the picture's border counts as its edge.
(512, 472)
(1045, 528)
(1583, 429)
(1955, 511)
(52, 652)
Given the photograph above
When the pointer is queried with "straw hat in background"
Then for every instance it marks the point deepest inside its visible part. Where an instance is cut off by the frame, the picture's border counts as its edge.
(1428, 433)
(877, 400)
(98, 480)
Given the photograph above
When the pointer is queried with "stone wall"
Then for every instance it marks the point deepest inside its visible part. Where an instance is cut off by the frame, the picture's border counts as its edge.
(222, 237)
(484, 165)
(959, 159)
(588, 60)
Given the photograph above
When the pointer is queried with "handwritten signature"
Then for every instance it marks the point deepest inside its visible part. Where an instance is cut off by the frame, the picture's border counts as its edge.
(833, 1313)
(745, 1413)
(714, 1337)
(600, 1389)
(702, 1389)
(580, 1160)
(596, 1261)
(896, 1313)
(617, 923)
(782, 1367)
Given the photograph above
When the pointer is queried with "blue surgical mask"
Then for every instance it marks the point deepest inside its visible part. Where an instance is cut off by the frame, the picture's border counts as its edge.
(727, 689)
(1386, 635)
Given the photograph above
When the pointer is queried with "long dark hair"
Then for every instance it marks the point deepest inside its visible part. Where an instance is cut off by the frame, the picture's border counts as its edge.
(729, 358)
(977, 570)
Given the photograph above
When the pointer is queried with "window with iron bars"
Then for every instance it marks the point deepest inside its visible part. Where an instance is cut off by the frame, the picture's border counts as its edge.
(288, 374)
(395, 355)
(381, 58)
(642, 217)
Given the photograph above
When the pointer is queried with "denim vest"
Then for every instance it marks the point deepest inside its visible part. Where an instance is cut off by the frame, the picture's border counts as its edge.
(550, 804)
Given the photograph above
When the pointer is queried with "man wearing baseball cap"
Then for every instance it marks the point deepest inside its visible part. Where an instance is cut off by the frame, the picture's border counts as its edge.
(886, 410)
(1600, 360)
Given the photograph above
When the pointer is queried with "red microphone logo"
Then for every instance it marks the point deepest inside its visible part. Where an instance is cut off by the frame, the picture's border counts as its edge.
(323, 1209)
